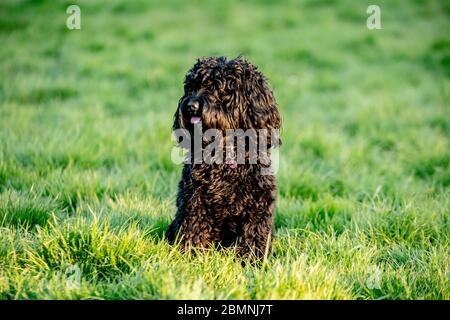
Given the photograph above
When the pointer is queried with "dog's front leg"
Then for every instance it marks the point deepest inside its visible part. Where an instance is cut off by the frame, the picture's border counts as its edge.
(191, 230)
(196, 230)
(256, 236)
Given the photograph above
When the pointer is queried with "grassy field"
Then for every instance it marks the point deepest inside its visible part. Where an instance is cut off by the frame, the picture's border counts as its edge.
(87, 185)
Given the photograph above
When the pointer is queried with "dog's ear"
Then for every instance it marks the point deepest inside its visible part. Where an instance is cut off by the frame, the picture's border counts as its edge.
(262, 111)
(176, 118)
(179, 128)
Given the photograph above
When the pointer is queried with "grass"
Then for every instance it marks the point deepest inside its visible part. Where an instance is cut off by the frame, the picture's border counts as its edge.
(87, 186)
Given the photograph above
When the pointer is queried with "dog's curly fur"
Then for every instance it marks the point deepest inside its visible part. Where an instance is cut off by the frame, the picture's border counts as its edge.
(217, 203)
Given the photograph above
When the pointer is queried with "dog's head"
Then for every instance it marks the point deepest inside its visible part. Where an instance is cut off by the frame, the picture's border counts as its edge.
(226, 94)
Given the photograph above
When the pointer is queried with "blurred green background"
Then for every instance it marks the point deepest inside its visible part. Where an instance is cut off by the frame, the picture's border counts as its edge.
(87, 182)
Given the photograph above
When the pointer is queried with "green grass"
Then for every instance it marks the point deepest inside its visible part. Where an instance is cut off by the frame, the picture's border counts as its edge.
(87, 186)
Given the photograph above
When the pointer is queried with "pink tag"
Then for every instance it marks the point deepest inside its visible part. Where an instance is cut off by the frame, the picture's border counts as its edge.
(232, 163)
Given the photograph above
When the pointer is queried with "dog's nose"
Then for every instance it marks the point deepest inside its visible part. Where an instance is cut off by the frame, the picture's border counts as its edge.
(193, 105)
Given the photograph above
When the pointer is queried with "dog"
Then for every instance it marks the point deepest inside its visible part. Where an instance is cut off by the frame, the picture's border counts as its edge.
(227, 203)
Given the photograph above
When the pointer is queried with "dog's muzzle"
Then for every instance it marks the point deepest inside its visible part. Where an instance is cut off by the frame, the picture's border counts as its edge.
(192, 109)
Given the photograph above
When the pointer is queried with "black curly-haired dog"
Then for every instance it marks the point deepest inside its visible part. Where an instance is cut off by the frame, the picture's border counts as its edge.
(226, 203)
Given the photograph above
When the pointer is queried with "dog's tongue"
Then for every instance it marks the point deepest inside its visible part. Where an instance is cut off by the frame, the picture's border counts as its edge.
(195, 120)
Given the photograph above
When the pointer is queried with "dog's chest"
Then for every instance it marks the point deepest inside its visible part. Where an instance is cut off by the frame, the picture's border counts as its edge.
(230, 191)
